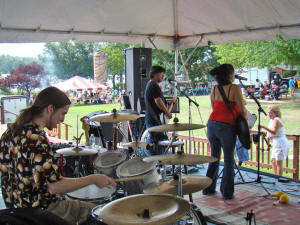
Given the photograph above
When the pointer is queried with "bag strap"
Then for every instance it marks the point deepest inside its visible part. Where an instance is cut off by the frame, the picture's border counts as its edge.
(225, 99)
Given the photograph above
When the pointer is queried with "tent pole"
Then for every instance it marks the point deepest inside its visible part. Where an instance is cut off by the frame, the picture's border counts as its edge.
(191, 54)
(160, 55)
(176, 63)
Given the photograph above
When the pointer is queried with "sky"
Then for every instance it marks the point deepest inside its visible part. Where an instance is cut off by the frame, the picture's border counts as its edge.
(22, 49)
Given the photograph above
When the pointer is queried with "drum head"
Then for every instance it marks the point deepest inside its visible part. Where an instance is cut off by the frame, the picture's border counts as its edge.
(134, 167)
(92, 192)
(109, 159)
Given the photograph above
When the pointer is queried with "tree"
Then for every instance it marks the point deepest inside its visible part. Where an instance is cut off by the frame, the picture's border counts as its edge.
(24, 78)
(71, 58)
(199, 65)
(260, 53)
(8, 63)
(116, 60)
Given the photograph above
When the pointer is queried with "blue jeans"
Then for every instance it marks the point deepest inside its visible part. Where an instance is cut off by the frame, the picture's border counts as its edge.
(221, 135)
(154, 138)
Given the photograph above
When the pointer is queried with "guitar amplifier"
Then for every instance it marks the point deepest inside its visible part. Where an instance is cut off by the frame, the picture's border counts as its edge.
(176, 108)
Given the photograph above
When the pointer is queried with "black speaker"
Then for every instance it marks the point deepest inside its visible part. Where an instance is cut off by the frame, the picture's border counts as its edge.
(138, 64)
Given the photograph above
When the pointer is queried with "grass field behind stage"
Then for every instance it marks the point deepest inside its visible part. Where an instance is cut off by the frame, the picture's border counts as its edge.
(290, 114)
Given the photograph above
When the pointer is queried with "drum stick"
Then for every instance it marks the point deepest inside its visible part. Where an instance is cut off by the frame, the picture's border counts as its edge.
(140, 177)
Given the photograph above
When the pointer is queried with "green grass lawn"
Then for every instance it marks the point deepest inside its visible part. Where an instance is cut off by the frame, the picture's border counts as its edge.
(290, 115)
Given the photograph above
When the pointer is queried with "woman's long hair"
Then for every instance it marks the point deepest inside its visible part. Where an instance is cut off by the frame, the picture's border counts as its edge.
(222, 73)
(48, 96)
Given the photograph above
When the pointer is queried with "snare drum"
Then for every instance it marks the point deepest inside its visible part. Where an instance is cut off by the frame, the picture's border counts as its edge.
(107, 162)
(92, 193)
(137, 167)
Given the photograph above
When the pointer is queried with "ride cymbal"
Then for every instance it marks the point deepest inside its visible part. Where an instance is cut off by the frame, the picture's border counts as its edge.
(115, 117)
(190, 184)
(136, 144)
(77, 151)
(149, 209)
(180, 159)
(176, 127)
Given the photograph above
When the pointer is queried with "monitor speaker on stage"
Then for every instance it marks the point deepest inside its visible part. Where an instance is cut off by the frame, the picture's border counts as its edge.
(138, 64)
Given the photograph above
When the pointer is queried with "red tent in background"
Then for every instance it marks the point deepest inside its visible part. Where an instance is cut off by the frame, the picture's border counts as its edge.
(79, 83)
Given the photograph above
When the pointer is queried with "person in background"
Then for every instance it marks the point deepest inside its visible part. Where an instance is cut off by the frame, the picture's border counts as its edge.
(221, 131)
(29, 174)
(292, 87)
(280, 143)
(155, 106)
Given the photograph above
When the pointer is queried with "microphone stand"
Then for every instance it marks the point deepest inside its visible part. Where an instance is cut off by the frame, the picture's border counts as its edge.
(260, 110)
(190, 115)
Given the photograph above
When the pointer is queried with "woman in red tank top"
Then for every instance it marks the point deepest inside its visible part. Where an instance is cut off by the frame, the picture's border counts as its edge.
(220, 129)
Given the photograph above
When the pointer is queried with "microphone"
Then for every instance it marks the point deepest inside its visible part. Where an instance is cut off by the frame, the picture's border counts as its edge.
(239, 77)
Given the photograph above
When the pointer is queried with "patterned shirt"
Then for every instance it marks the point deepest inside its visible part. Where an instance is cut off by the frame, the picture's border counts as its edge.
(27, 165)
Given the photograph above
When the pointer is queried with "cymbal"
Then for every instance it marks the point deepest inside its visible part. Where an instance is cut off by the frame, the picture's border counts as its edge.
(114, 117)
(149, 209)
(77, 151)
(180, 159)
(190, 184)
(136, 144)
(175, 127)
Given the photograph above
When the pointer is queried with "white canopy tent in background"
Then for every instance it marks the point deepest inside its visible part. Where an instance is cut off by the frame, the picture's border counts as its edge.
(79, 83)
(170, 24)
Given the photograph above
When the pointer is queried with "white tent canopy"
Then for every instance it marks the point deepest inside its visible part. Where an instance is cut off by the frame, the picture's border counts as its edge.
(171, 24)
(79, 83)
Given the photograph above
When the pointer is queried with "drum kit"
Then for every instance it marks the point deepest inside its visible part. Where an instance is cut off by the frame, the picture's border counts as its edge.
(148, 198)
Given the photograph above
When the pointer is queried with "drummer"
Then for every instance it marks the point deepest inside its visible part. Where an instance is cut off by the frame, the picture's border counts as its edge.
(155, 105)
(29, 175)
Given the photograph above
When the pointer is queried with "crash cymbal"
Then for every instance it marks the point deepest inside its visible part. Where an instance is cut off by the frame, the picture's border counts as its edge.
(175, 127)
(190, 184)
(150, 209)
(115, 117)
(180, 159)
(77, 151)
(136, 144)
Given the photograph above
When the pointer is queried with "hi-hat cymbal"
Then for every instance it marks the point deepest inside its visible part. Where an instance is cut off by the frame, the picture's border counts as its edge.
(136, 144)
(180, 159)
(114, 117)
(190, 184)
(176, 127)
(150, 209)
(77, 151)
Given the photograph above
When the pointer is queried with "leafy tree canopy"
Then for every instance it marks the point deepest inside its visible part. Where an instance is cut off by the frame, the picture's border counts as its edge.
(8, 63)
(24, 78)
(71, 58)
(260, 53)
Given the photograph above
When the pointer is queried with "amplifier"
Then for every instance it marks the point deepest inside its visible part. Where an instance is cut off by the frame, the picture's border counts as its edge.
(176, 108)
